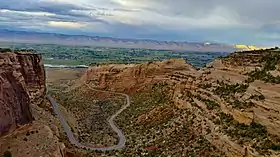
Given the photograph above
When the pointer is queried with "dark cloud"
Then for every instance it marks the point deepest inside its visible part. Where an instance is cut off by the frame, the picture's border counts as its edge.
(249, 21)
(254, 12)
(62, 11)
(36, 5)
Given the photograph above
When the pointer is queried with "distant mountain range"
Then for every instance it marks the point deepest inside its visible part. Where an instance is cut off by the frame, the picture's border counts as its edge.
(81, 40)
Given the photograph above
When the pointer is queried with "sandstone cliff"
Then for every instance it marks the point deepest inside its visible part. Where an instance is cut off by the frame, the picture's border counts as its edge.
(134, 77)
(26, 127)
(22, 81)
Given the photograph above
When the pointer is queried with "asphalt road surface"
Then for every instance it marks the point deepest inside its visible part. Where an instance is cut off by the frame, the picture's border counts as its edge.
(74, 141)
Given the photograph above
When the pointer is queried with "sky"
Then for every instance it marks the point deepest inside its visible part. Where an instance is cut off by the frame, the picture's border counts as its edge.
(224, 21)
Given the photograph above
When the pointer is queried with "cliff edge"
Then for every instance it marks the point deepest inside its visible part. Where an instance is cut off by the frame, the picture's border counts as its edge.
(27, 128)
(22, 80)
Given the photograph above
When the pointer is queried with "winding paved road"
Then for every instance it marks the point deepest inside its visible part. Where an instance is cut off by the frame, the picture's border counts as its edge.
(70, 135)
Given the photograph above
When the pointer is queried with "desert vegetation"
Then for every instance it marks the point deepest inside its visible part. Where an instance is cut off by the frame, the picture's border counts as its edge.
(156, 127)
(225, 89)
(268, 60)
(254, 133)
(91, 116)
(187, 114)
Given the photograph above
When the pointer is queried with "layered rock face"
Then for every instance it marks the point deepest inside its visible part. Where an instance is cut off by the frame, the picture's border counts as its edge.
(22, 82)
(33, 72)
(134, 77)
(234, 101)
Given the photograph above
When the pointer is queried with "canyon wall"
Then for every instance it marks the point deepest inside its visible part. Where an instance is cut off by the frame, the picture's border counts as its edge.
(22, 82)
(234, 100)
(133, 77)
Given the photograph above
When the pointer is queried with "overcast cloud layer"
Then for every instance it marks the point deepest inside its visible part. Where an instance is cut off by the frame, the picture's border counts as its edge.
(239, 21)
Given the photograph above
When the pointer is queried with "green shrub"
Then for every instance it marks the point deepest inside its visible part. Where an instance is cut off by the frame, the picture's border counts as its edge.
(7, 154)
(275, 147)
(254, 132)
(264, 76)
(205, 86)
(226, 89)
(5, 50)
(227, 118)
(241, 105)
(212, 105)
(270, 60)
(257, 97)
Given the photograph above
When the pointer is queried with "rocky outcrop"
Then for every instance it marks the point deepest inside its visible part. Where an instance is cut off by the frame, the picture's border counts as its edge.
(32, 140)
(22, 82)
(32, 70)
(28, 127)
(133, 77)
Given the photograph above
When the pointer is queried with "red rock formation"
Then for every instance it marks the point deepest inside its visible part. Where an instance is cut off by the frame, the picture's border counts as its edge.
(133, 77)
(33, 72)
(22, 81)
